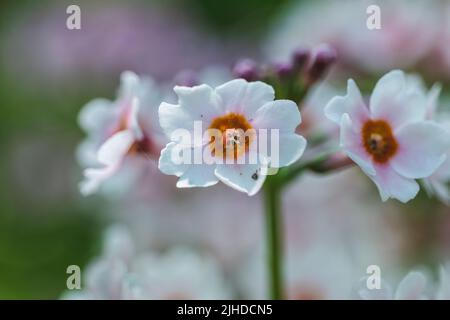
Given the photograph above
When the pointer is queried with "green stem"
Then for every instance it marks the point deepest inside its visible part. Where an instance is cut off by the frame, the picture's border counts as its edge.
(273, 188)
(274, 237)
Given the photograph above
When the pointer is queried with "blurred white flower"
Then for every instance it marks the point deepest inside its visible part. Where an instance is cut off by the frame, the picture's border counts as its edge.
(411, 287)
(232, 109)
(438, 183)
(119, 130)
(408, 32)
(314, 122)
(391, 141)
(443, 288)
(319, 271)
(122, 273)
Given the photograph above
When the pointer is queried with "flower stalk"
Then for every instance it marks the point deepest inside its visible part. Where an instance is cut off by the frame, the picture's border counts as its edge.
(274, 236)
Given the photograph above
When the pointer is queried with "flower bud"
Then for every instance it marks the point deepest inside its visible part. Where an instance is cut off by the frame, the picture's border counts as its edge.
(324, 57)
(300, 58)
(284, 70)
(246, 69)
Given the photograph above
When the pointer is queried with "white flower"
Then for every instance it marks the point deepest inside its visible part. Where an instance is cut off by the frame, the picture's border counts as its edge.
(390, 140)
(123, 272)
(178, 274)
(313, 272)
(411, 287)
(232, 109)
(116, 130)
(438, 183)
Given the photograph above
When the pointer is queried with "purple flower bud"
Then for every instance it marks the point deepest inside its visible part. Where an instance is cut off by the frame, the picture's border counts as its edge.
(246, 69)
(284, 69)
(324, 57)
(300, 57)
(186, 78)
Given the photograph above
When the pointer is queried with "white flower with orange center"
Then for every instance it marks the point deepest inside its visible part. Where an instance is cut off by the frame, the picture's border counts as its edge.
(237, 129)
(390, 140)
(119, 130)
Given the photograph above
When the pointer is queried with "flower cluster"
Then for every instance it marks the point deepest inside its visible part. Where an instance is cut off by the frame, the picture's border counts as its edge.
(237, 133)
(247, 133)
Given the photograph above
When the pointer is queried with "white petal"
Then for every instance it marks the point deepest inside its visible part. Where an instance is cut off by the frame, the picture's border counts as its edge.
(247, 178)
(392, 100)
(191, 174)
(185, 123)
(95, 114)
(411, 287)
(388, 86)
(244, 97)
(442, 191)
(173, 119)
(115, 148)
(95, 177)
(129, 84)
(200, 102)
(279, 114)
(198, 175)
(291, 147)
(432, 99)
(351, 104)
(133, 119)
(422, 148)
(392, 185)
(351, 143)
(86, 153)
(169, 162)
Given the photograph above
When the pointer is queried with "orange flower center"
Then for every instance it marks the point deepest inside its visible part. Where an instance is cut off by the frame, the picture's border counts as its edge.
(230, 135)
(379, 141)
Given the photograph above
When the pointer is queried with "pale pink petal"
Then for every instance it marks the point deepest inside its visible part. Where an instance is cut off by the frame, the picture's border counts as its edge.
(351, 104)
(392, 101)
(392, 185)
(422, 149)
